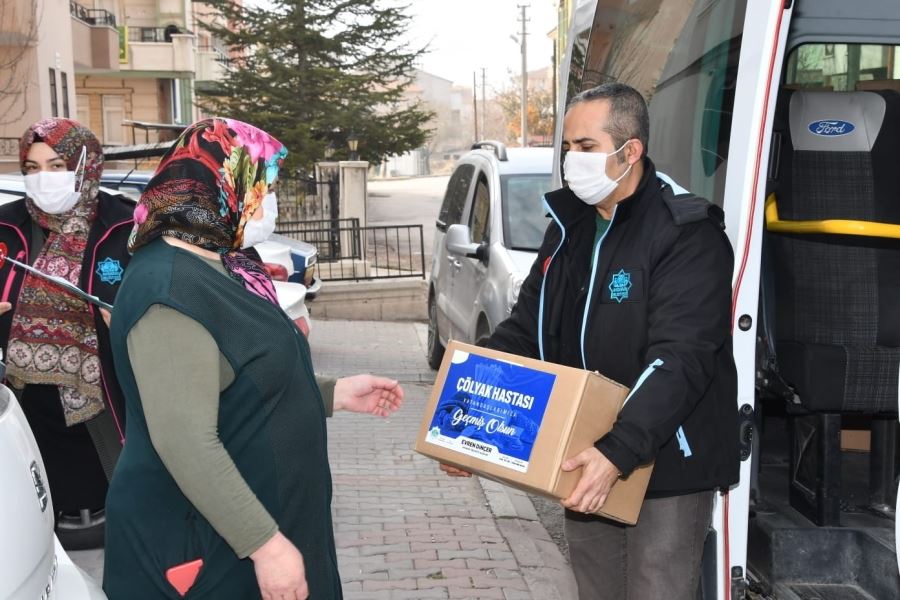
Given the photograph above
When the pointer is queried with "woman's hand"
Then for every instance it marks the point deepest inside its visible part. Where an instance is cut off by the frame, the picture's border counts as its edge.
(279, 570)
(5, 307)
(454, 471)
(377, 396)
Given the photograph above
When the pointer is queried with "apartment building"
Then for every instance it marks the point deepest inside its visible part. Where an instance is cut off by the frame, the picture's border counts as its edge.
(37, 74)
(163, 55)
(106, 63)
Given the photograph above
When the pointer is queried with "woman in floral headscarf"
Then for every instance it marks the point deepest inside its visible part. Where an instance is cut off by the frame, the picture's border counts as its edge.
(55, 344)
(223, 487)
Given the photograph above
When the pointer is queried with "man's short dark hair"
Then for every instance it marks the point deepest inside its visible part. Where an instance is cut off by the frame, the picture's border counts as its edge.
(628, 118)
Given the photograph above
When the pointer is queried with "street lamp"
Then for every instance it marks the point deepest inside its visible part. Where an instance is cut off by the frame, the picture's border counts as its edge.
(329, 151)
(353, 144)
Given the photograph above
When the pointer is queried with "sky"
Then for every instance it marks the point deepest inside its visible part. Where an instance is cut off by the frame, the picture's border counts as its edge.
(466, 35)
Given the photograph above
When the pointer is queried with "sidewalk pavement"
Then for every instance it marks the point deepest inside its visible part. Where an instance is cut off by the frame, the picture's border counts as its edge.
(403, 528)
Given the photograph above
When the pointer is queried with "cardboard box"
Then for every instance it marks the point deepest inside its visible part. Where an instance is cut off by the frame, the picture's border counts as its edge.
(516, 420)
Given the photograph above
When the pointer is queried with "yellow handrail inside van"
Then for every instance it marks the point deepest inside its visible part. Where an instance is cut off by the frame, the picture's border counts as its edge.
(828, 226)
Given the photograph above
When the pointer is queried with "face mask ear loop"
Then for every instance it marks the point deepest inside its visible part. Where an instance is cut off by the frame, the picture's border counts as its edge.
(81, 167)
(622, 176)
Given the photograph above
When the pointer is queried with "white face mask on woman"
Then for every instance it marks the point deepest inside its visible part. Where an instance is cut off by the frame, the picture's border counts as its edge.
(56, 192)
(585, 173)
(256, 231)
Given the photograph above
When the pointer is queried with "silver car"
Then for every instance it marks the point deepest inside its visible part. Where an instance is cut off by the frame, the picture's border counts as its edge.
(490, 227)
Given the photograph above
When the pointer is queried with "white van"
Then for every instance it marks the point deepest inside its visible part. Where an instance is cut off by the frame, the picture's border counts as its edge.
(786, 113)
(33, 564)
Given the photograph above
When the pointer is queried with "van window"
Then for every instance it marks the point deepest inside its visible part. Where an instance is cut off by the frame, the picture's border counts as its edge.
(843, 67)
(687, 74)
(481, 211)
(455, 197)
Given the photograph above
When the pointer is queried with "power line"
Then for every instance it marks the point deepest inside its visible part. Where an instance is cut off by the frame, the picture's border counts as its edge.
(523, 19)
(483, 103)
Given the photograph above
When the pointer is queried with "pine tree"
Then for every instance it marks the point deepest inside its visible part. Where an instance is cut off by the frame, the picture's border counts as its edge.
(312, 71)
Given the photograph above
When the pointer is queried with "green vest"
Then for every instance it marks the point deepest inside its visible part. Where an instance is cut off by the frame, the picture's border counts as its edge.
(271, 422)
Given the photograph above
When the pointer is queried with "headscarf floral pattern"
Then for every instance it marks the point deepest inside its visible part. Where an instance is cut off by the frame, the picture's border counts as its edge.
(206, 188)
(53, 336)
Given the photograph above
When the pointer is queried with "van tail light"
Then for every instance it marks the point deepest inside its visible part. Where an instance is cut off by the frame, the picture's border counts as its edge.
(276, 272)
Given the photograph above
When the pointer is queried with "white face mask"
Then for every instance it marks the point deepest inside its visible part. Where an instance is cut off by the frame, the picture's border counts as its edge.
(585, 172)
(56, 192)
(256, 231)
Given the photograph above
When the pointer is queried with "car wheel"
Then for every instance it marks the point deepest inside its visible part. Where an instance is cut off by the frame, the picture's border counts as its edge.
(82, 531)
(435, 349)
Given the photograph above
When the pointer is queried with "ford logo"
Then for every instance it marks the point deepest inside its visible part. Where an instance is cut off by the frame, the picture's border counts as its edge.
(831, 128)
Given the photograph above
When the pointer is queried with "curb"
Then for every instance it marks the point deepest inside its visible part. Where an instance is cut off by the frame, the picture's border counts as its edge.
(393, 300)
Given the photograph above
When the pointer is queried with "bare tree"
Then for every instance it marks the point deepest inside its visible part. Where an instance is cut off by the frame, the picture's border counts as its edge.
(18, 37)
(540, 111)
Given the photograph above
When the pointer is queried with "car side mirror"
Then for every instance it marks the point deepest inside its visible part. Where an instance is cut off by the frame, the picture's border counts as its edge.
(459, 241)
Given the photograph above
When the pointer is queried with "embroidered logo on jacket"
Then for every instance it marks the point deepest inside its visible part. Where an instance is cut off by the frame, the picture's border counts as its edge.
(110, 271)
(620, 285)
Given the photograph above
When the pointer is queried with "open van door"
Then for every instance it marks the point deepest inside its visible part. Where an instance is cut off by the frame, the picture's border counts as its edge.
(787, 115)
(699, 64)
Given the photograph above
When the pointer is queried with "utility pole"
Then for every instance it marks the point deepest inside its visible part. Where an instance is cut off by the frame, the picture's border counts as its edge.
(524, 40)
(483, 104)
(475, 103)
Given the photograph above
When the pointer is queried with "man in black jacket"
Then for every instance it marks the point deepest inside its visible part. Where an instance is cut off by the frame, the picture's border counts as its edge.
(635, 283)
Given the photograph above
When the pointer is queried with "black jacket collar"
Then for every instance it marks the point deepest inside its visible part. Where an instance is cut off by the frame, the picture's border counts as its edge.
(568, 209)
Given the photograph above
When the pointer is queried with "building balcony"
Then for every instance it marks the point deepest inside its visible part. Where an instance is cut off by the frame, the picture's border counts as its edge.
(212, 64)
(95, 39)
(159, 50)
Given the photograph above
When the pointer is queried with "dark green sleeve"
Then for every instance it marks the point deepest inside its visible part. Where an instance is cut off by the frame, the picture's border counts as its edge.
(326, 388)
(179, 373)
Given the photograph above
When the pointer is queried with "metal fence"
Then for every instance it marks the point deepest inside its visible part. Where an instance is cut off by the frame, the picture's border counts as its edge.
(92, 16)
(307, 199)
(335, 239)
(348, 252)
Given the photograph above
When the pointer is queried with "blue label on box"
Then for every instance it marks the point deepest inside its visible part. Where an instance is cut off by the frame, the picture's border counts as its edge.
(491, 409)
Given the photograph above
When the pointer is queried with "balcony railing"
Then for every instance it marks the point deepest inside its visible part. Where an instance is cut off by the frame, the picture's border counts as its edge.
(92, 16)
(150, 34)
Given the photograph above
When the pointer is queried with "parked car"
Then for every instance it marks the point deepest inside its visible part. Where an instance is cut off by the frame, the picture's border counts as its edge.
(291, 265)
(303, 260)
(33, 564)
(489, 229)
(130, 183)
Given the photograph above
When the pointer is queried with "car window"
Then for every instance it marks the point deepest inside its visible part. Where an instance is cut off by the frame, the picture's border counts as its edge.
(481, 211)
(455, 198)
(524, 216)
